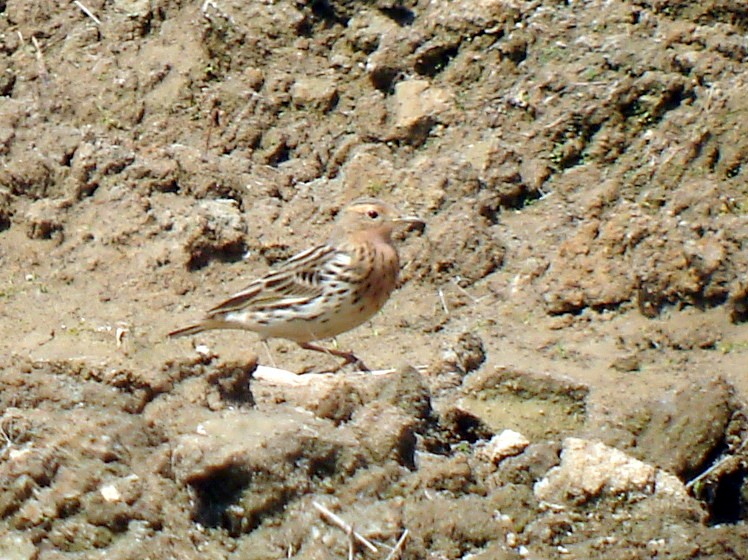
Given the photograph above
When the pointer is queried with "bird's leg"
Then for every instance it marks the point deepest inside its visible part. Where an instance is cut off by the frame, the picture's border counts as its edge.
(268, 352)
(348, 357)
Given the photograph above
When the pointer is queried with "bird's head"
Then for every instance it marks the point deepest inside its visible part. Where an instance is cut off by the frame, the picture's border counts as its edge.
(372, 216)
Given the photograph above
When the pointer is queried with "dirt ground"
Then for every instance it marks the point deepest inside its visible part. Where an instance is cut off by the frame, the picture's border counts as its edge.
(563, 371)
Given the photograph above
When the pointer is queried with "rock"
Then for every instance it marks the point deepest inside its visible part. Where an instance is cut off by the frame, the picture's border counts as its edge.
(470, 351)
(393, 438)
(474, 15)
(531, 465)
(738, 301)
(405, 389)
(457, 359)
(382, 69)
(417, 106)
(500, 169)
(92, 163)
(133, 8)
(115, 515)
(317, 93)
(581, 273)
(17, 547)
(29, 175)
(327, 396)
(627, 363)
(545, 385)
(592, 470)
(7, 81)
(503, 445)
(216, 230)
(247, 439)
(680, 429)
(44, 220)
(336, 397)
(391, 49)
(628, 255)
(253, 78)
(245, 465)
(442, 474)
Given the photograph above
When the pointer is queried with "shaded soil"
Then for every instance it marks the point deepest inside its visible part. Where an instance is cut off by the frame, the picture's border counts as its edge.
(583, 171)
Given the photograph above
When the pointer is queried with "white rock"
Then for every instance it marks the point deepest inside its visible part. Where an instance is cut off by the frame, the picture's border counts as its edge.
(110, 493)
(506, 444)
(17, 547)
(590, 469)
(14, 454)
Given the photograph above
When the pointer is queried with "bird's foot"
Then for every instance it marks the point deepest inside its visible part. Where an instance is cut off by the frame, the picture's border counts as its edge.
(348, 357)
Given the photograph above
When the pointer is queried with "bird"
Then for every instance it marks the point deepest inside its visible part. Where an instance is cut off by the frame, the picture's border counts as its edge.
(323, 291)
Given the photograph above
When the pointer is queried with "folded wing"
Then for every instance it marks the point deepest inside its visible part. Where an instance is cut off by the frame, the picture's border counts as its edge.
(295, 281)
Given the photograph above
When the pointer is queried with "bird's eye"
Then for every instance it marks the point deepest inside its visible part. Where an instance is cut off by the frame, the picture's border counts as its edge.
(373, 214)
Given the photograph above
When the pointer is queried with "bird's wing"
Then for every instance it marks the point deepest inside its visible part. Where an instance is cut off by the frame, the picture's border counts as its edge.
(298, 279)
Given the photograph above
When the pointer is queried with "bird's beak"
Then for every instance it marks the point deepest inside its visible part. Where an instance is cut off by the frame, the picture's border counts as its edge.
(412, 222)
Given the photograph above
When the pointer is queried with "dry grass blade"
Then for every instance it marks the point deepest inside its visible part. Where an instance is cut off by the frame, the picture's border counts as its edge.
(351, 544)
(443, 301)
(88, 12)
(330, 516)
(40, 60)
(718, 464)
(395, 553)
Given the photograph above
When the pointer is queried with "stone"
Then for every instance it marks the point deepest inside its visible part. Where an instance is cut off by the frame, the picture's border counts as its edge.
(417, 106)
(591, 470)
(17, 547)
(506, 444)
(318, 93)
(44, 220)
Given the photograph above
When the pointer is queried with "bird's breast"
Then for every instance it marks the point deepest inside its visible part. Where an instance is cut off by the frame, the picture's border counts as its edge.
(355, 288)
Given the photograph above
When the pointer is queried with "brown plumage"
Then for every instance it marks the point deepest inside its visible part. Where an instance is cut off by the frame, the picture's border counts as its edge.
(323, 291)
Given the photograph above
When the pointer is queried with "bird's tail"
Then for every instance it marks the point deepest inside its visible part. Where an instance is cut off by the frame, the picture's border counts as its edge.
(206, 325)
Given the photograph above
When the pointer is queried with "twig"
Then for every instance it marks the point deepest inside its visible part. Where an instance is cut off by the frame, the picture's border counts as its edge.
(456, 282)
(556, 122)
(213, 123)
(395, 553)
(88, 12)
(351, 543)
(282, 377)
(419, 369)
(734, 452)
(40, 59)
(583, 84)
(708, 471)
(444, 302)
(343, 525)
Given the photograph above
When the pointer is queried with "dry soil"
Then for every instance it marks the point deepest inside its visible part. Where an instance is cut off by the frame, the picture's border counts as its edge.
(582, 280)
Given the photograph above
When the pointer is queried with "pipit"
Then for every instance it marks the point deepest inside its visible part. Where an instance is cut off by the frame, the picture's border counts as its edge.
(323, 291)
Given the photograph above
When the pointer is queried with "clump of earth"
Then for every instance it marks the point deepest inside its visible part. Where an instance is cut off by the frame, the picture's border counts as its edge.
(561, 372)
